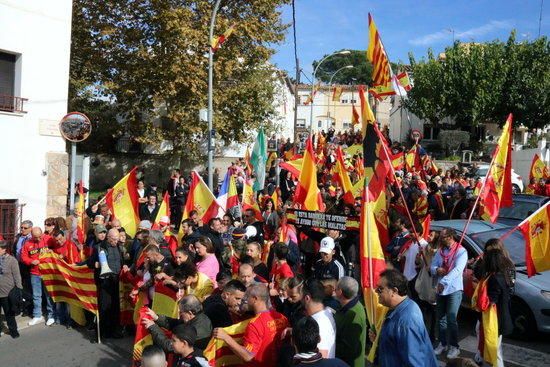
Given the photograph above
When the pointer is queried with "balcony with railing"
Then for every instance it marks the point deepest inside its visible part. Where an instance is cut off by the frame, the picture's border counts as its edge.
(12, 104)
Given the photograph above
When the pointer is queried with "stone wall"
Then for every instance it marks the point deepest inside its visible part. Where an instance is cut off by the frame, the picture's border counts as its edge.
(57, 168)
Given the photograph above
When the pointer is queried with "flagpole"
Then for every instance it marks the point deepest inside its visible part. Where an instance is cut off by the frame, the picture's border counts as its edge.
(504, 236)
(98, 328)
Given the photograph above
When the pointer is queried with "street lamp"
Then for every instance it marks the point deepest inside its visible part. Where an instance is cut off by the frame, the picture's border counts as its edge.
(210, 95)
(345, 52)
(330, 83)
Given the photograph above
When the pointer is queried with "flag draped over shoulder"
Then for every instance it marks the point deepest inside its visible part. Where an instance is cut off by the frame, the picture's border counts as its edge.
(381, 72)
(201, 199)
(488, 329)
(218, 353)
(307, 193)
(73, 284)
(122, 200)
(539, 169)
(497, 192)
(343, 177)
(536, 231)
(258, 160)
(216, 42)
(164, 210)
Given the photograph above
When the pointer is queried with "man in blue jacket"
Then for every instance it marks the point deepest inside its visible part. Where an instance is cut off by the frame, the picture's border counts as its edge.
(403, 341)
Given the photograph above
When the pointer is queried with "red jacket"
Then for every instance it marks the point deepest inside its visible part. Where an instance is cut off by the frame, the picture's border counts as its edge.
(31, 251)
(69, 251)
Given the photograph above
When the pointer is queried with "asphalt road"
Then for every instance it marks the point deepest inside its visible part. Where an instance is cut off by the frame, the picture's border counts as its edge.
(55, 346)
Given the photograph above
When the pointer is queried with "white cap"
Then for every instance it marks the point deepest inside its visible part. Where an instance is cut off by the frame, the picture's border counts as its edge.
(251, 231)
(165, 219)
(327, 245)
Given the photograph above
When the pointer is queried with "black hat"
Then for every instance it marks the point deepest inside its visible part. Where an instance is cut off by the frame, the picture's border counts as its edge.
(185, 332)
(238, 233)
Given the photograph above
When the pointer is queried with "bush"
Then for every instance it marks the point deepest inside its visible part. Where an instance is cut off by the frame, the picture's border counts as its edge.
(453, 140)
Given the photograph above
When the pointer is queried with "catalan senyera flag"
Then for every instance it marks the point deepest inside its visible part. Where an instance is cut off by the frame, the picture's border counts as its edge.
(122, 200)
(307, 193)
(381, 72)
(201, 199)
(354, 115)
(336, 94)
(249, 200)
(164, 210)
(294, 166)
(216, 42)
(497, 192)
(539, 169)
(343, 177)
(70, 283)
(372, 264)
(536, 231)
(218, 353)
(80, 215)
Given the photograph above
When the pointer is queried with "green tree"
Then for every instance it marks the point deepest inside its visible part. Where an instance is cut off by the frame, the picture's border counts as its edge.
(139, 68)
(480, 83)
(362, 71)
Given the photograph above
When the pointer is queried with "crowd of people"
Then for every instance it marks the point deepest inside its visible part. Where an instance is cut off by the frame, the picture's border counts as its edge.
(300, 286)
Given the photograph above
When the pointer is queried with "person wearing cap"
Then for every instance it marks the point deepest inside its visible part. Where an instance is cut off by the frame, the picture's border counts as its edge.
(135, 248)
(327, 267)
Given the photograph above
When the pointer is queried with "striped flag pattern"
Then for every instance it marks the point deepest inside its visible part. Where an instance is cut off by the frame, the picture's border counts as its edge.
(73, 284)
(381, 72)
(218, 353)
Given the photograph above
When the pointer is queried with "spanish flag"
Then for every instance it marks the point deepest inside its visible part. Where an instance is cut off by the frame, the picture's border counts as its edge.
(294, 166)
(336, 94)
(354, 115)
(164, 210)
(404, 80)
(249, 200)
(413, 162)
(381, 70)
(488, 330)
(142, 339)
(270, 159)
(398, 161)
(201, 199)
(165, 301)
(307, 193)
(218, 41)
(382, 91)
(539, 169)
(122, 200)
(343, 177)
(536, 231)
(248, 165)
(218, 353)
(367, 117)
(497, 192)
(70, 283)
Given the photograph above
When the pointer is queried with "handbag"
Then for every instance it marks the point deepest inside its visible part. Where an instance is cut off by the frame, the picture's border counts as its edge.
(425, 285)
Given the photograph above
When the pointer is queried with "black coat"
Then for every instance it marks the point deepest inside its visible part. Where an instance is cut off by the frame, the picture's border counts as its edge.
(145, 214)
(499, 294)
(217, 311)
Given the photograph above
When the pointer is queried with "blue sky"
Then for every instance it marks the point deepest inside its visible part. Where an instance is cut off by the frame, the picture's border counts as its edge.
(324, 26)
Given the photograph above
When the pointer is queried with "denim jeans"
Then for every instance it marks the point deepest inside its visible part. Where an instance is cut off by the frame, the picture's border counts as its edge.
(37, 290)
(62, 313)
(447, 310)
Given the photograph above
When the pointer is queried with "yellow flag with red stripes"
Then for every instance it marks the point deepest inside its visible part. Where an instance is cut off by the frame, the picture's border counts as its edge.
(218, 353)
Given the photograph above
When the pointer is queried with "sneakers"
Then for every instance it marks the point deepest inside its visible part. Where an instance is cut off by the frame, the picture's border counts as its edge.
(50, 322)
(453, 353)
(36, 321)
(440, 349)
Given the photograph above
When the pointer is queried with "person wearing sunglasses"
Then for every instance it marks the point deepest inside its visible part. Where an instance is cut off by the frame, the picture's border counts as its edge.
(404, 340)
(21, 238)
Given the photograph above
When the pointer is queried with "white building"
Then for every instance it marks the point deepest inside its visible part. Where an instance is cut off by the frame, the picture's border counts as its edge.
(35, 39)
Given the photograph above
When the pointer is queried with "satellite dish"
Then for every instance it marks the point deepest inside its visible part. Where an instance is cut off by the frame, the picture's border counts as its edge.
(75, 127)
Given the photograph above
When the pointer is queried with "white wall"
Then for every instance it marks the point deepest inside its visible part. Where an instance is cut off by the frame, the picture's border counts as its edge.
(39, 31)
(522, 159)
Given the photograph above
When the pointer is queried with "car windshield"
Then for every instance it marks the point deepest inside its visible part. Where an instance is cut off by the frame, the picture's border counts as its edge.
(520, 210)
(514, 243)
(482, 172)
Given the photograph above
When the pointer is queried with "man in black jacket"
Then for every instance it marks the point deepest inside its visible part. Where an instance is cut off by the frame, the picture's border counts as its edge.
(148, 211)
(107, 284)
(221, 306)
(212, 231)
(191, 314)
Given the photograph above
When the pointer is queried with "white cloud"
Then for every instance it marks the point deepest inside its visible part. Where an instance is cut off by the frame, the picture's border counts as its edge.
(466, 35)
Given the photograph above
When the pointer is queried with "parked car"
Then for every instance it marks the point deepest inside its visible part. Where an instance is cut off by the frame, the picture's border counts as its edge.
(524, 205)
(517, 183)
(531, 298)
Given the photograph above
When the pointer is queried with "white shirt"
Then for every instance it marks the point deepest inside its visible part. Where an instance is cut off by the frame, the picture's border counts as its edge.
(410, 256)
(327, 330)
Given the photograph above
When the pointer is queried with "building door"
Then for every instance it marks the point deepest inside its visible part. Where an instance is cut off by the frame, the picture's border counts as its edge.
(10, 216)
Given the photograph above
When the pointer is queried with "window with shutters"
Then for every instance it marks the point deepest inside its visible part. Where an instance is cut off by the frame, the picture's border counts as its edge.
(10, 101)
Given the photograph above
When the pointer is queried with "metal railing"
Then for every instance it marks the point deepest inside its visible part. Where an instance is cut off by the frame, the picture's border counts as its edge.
(12, 103)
